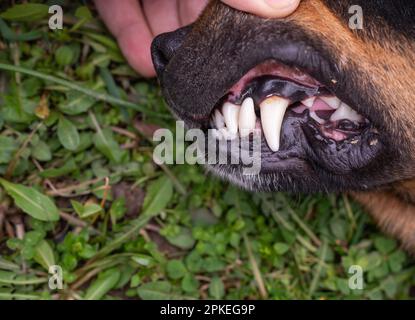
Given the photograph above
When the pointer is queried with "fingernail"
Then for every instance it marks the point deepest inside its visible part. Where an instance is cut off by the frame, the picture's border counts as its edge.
(282, 4)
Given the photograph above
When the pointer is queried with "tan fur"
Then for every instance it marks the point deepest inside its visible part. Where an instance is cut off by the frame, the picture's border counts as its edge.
(393, 214)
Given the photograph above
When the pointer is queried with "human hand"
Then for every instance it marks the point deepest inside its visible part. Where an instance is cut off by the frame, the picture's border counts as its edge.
(135, 25)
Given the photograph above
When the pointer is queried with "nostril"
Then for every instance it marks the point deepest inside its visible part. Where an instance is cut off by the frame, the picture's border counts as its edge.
(164, 47)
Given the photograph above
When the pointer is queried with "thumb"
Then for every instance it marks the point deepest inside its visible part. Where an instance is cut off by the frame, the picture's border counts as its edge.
(265, 8)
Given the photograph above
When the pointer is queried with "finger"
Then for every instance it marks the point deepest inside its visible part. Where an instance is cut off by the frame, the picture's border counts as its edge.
(127, 23)
(162, 15)
(189, 10)
(265, 8)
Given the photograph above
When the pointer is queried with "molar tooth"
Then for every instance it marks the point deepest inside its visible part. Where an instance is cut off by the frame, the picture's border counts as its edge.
(332, 101)
(272, 115)
(345, 112)
(218, 119)
(309, 102)
(231, 114)
(247, 117)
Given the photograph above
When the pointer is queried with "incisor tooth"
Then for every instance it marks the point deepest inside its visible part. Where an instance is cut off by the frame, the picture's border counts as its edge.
(345, 112)
(272, 115)
(332, 101)
(247, 117)
(231, 115)
(309, 102)
(219, 119)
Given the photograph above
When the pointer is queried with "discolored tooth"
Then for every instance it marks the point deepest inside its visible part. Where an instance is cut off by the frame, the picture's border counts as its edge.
(231, 114)
(272, 115)
(218, 119)
(332, 101)
(247, 117)
(309, 102)
(345, 112)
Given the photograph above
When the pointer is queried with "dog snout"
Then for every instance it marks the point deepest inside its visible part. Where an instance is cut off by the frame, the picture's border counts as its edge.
(164, 47)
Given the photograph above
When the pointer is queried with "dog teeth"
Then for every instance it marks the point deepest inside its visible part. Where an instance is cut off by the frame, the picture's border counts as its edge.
(345, 112)
(218, 119)
(247, 117)
(272, 115)
(332, 101)
(309, 102)
(231, 114)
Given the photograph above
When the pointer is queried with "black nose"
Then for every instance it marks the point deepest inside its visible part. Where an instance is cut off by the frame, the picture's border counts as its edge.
(165, 45)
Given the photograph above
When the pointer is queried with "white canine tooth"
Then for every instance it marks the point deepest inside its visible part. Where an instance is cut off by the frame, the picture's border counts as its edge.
(231, 114)
(219, 120)
(247, 117)
(345, 112)
(309, 102)
(272, 115)
(332, 101)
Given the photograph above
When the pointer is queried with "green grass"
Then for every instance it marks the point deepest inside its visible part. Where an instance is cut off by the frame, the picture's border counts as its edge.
(76, 125)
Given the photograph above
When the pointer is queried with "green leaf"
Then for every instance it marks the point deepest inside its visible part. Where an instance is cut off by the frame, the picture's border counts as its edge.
(8, 146)
(87, 210)
(16, 107)
(26, 12)
(216, 288)
(66, 169)
(390, 286)
(104, 141)
(83, 12)
(76, 103)
(176, 269)
(158, 290)
(64, 55)
(68, 134)
(41, 151)
(189, 283)
(44, 254)
(158, 196)
(32, 201)
(7, 277)
(280, 248)
(384, 245)
(105, 282)
(396, 261)
(183, 240)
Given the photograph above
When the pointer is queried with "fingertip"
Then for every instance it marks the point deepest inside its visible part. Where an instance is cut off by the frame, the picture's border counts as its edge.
(135, 48)
(282, 8)
(265, 8)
